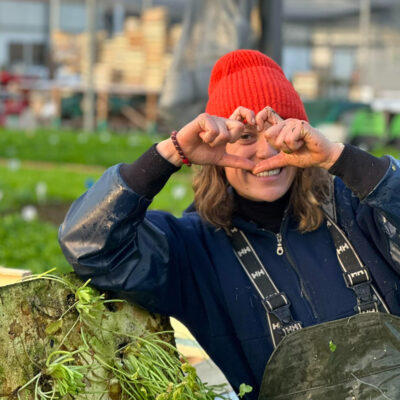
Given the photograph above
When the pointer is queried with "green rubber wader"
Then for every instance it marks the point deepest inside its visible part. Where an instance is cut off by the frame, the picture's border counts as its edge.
(364, 365)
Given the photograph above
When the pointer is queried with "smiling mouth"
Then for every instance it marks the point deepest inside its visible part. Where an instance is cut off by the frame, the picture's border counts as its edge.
(272, 172)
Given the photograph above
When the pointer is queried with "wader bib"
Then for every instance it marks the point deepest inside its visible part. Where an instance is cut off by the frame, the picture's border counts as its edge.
(355, 358)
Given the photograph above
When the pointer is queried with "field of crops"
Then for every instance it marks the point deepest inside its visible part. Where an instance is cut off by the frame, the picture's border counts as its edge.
(41, 173)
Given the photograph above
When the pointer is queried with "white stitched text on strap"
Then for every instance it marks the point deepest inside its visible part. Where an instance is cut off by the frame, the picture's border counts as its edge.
(258, 273)
(243, 251)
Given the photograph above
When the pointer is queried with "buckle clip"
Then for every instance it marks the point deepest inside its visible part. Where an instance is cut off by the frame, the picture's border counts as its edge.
(366, 300)
(279, 306)
(356, 278)
(275, 301)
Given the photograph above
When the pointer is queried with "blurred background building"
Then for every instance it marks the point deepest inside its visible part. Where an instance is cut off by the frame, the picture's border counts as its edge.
(108, 52)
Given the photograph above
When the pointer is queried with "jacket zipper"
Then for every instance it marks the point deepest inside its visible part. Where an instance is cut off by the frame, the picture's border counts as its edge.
(280, 250)
(279, 246)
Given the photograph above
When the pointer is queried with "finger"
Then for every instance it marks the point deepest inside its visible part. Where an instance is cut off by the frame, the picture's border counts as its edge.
(273, 132)
(209, 128)
(294, 136)
(230, 160)
(285, 136)
(235, 129)
(278, 161)
(223, 134)
(288, 138)
(266, 117)
(244, 114)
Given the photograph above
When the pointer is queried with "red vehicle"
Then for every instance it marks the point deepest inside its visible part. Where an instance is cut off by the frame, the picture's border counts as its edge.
(13, 98)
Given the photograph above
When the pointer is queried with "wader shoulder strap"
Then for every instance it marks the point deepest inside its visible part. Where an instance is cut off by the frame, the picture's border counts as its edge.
(355, 273)
(276, 303)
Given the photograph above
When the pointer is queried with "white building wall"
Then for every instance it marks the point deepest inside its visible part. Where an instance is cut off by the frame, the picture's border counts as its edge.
(22, 15)
(21, 22)
(28, 22)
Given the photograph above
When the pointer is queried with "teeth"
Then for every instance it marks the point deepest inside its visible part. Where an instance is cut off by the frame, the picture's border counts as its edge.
(269, 173)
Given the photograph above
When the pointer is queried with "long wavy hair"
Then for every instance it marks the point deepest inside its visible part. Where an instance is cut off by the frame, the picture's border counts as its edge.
(215, 204)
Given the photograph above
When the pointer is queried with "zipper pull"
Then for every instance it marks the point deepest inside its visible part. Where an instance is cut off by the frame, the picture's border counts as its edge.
(279, 247)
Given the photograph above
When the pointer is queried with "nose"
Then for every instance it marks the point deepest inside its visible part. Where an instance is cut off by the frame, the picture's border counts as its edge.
(264, 149)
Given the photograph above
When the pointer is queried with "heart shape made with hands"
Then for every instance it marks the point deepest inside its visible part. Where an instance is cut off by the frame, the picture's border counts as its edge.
(297, 142)
(271, 124)
(207, 140)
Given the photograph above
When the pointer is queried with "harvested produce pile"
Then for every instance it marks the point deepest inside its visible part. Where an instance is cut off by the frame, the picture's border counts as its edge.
(61, 339)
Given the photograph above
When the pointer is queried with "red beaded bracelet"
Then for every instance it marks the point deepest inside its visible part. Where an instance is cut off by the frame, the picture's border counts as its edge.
(178, 148)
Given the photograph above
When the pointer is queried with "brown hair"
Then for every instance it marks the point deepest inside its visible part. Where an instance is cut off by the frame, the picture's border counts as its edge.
(215, 205)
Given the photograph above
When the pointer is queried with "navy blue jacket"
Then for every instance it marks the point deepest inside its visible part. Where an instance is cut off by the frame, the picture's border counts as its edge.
(186, 268)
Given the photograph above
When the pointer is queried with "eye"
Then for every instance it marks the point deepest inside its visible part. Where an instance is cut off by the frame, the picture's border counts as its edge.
(247, 137)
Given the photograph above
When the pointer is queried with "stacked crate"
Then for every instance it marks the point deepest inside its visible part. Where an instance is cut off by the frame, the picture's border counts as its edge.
(65, 51)
(82, 42)
(134, 64)
(154, 27)
(139, 56)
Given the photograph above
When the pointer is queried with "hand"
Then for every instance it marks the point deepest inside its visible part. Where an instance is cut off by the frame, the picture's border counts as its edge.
(203, 142)
(299, 143)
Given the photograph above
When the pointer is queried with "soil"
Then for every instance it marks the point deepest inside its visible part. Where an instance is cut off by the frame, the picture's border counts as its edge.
(53, 213)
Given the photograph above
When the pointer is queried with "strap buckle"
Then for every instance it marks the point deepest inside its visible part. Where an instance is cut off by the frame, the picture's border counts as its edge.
(278, 305)
(275, 301)
(366, 300)
(356, 277)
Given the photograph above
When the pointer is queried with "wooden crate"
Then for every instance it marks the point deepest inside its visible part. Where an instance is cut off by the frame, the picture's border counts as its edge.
(9, 276)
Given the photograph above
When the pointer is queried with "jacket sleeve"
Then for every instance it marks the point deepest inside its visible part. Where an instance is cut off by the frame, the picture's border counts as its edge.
(372, 190)
(384, 199)
(106, 237)
(376, 212)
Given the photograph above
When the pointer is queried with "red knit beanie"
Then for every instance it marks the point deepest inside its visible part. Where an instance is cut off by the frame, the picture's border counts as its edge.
(251, 79)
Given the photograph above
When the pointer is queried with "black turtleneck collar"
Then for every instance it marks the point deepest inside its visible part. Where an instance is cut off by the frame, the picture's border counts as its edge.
(266, 215)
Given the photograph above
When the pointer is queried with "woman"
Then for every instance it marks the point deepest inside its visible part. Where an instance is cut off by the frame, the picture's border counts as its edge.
(263, 195)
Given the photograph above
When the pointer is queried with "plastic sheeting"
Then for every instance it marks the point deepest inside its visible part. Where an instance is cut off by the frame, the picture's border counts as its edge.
(210, 29)
(357, 358)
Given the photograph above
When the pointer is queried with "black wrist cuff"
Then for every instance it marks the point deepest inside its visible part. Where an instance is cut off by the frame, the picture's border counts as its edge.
(148, 174)
(359, 170)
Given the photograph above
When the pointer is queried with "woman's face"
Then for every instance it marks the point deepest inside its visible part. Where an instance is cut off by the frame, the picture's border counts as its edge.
(265, 186)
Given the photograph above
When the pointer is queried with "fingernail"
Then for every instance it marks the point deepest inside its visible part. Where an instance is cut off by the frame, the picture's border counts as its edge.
(253, 121)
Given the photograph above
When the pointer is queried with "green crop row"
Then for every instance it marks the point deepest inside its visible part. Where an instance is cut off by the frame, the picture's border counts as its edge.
(22, 184)
(72, 147)
(30, 245)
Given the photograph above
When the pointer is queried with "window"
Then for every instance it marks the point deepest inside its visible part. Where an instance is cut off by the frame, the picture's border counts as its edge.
(27, 53)
(16, 53)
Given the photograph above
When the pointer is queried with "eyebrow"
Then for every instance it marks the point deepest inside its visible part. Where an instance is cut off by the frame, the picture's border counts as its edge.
(249, 128)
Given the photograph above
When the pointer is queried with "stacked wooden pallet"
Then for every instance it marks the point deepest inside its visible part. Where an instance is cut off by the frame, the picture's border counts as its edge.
(154, 26)
(139, 56)
(82, 42)
(65, 51)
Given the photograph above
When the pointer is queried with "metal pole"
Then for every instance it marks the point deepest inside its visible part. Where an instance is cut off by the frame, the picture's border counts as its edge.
(271, 14)
(54, 25)
(54, 15)
(89, 99)
(364, 42)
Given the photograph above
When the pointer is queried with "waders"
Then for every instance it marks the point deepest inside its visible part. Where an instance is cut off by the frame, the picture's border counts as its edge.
(355, 358)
